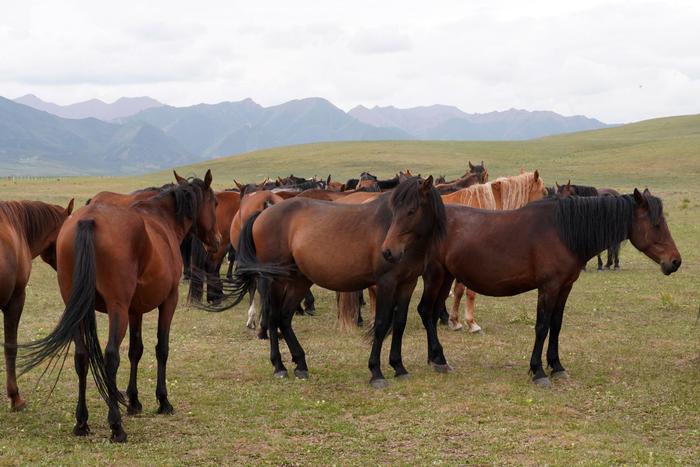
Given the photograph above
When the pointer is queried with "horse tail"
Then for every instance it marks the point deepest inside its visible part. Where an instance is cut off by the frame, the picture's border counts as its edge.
(196, 263)
(78, 319)
(348, 309)
(247, 270)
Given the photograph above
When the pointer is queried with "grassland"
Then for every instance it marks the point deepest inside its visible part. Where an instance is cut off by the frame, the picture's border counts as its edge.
(630, 341)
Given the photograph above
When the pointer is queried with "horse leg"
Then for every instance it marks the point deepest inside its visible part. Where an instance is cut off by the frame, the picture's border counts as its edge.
(12, 313)
(553, 361)
(82, 364)
(118, 321)
(215, 286)
(600, 263)
(231, 261)
(271, 294)
(546, 302)
(403, 298)
(436, 286)
(382, 323)
(310, 303)
(458, 292)
(469, 312)
(616, 251)
(250, 323)
(166, 310)
(135, 353)
(294, 294)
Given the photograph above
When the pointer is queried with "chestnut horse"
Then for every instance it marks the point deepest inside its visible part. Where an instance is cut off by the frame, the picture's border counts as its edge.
(27, 229)
(540, 246)
(583, 190)
(505, 193)
(341, 247)
(124, 261)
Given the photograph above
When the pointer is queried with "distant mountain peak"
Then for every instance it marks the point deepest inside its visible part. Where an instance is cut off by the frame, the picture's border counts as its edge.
(92, 108)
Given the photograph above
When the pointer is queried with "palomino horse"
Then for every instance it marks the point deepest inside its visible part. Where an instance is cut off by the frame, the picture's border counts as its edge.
(540, 246)
(27, 229)
(125, 261)
(505, 193)
(583, 190)
(386, 242)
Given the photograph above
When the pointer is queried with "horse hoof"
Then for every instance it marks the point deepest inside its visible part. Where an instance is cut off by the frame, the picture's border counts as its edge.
(281, 374)
(166, 409)
(559, 375)
(402, 377)
(134, 409)
(542, 382)
(442, 367)
(301, 374)
(310, 311)
(455, 326)
(118, 436)
(476, 330)
(379, 383)
(18, 405)
(81, 429)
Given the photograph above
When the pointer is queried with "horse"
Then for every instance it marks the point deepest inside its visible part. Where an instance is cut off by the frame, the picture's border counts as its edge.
(124, 261)
(539, 246)
(27, 229)
(502, 194)
(583, 190)
(474, 175)
(289, 246)
(227, 205)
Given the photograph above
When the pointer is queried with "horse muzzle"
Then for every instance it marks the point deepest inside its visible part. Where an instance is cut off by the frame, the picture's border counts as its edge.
(391, 257)
(669, 267)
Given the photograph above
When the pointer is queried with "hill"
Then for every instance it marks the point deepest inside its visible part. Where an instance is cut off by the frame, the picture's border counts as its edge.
(93, 108)
(38, 143)
(441, 122)
(235, 127)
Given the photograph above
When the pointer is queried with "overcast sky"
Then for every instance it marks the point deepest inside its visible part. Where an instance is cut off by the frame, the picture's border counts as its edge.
(618, 61)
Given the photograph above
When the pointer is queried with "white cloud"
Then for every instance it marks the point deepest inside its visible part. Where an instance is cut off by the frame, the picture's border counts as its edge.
(614, 60)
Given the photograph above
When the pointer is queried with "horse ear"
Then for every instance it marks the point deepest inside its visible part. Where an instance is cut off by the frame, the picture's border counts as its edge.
(343, 187)
(568, 183)
(178, 178)
(69, 208)
(471, 167)
(240, 187)
(208, 178)
(482, 163)
(557, 185)
(639, 198)
(328, 180)
(537, 175)
(646, 192)
(427, 184)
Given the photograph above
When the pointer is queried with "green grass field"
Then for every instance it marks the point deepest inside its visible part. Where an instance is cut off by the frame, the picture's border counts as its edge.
(630, 341)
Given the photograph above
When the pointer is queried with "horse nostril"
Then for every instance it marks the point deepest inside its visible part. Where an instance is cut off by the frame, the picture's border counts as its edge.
(387, 254)
(676, 263)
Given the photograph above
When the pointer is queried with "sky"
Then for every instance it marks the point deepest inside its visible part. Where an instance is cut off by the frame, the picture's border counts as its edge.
(618, 61)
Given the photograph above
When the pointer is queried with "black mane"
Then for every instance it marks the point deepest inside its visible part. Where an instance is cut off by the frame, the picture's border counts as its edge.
(585, 190)
(409, 192)
(589, 225)
(187, 196)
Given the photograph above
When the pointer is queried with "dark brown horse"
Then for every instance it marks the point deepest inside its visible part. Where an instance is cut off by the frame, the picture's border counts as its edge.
(341, 247)
(540, 246)
(583, 190)
(27, 229)
(124, 261)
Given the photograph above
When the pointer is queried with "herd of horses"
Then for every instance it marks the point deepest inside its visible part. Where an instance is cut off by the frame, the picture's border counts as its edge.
(125, 254)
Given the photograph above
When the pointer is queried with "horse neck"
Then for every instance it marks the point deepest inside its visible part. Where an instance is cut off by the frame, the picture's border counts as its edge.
(515, 191)
(163, 208)
(34, 221)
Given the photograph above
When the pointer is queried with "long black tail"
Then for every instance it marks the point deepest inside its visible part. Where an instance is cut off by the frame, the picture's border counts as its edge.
(78, 319)
(247, 271)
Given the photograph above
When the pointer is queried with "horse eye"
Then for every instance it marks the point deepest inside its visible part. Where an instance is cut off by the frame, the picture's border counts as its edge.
(411, 212)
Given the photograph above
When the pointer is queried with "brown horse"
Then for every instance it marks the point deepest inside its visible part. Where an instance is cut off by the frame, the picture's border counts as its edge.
(227, 205)
(27, 229)
(341, 247)
(505, 193)
(475, 174)
(540, 246)
(124, 261)
(583, 190)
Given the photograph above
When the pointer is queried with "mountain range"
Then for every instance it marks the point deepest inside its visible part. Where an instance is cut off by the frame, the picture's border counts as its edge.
(135, 135)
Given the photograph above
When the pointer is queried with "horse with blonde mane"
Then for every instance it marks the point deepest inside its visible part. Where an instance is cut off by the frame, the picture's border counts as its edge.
(502, 194)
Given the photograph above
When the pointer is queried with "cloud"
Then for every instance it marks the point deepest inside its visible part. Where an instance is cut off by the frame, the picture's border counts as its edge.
(380, 41)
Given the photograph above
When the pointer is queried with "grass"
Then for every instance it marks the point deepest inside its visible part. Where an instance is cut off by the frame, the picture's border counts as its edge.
(630, 342)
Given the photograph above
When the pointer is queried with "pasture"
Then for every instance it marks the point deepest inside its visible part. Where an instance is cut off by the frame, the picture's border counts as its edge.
(630, 340)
